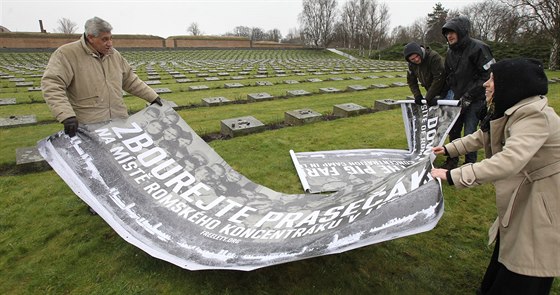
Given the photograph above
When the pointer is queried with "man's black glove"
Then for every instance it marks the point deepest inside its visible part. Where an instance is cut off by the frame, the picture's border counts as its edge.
(418, 100)
(70, 126)
(432, 102)
(157, 101)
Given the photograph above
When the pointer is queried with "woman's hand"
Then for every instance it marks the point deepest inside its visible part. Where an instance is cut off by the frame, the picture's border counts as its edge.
(439, 173)
(438, 150)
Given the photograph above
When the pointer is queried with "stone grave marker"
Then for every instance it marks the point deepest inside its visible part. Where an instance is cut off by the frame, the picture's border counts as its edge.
(259, 96)
(202, 75)
(18, 120)
(264, 83)
(162, 90)
(348, 109)
(212, 79)
(260, 76)
(153, 82)
(7, 101)
(198, 87)
(379, 86)
(336, 78)
(31, 89)
(215, 101)
(184, 80)
(314, 80)
(154, 77)
(29, 159)
(385, 104)
(398, 84)
(16, 79)
(356, 88)
(233, 85)
(355, 78)
(299, 92)
(237, 78)
(329, 90)
(302, 116)
(24, 84)
(240, 126)
(291, 81)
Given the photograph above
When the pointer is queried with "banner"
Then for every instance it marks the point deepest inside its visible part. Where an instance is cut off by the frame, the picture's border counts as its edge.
(164, 190)
(425, 127)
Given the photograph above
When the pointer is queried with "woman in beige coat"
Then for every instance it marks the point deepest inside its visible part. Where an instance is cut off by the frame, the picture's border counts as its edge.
(521, 138)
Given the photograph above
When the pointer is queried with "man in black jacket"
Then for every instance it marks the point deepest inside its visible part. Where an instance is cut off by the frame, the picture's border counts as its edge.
(466, 65)
(425, 66)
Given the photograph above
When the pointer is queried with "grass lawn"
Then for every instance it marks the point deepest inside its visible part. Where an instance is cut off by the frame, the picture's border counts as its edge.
(50, 244)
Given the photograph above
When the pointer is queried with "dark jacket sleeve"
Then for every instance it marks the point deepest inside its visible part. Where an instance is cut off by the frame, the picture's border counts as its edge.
(412, 81)
(481, 58)
(438, 71)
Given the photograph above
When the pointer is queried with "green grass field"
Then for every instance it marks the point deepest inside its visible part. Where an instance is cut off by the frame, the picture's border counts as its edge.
(50, 244)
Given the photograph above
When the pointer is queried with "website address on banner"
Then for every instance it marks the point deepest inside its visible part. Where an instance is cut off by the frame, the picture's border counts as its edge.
(219, 238)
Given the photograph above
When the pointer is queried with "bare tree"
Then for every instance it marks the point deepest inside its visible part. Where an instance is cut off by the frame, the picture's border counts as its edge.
(257, 34)
(317, 21)
(377, 24)
(545, 13)
(194, 29)
(66, 26)
(293, 36)
(274, 35)
(349, 22)
(242, 31)
(492, 21)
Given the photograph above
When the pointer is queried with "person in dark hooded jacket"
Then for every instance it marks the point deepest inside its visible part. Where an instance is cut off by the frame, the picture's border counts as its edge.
(425, 66)
(520, 135)
(466, 66)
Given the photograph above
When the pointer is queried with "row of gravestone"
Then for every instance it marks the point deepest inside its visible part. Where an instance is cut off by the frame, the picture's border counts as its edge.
(29, 159)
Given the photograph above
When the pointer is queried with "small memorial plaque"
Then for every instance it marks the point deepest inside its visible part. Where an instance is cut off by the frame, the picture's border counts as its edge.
(385, 104)
(302, 116)
(198, 87)
(298, 92)
(240, 126)
(348, 109)
(215, 101)
(356, 88)
(259, 96)
(18, 120)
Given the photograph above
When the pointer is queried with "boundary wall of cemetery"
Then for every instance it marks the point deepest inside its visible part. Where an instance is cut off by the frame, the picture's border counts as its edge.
(19, 40)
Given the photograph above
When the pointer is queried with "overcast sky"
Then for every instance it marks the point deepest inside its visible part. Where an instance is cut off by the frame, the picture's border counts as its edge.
(172, 17)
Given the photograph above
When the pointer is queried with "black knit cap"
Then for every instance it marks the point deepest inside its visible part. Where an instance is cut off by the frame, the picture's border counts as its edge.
(412, 48)
(517, 79)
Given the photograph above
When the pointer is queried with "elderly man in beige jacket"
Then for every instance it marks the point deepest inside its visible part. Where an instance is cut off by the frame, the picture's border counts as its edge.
(84, 80)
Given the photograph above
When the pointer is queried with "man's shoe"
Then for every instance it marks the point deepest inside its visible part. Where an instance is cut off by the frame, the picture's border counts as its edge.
(450, 163)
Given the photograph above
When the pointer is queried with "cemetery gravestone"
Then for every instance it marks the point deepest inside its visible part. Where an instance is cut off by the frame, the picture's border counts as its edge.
(302, 116)
(348, 109)
(299, 92)
(259, 96)
(385, 104)
(216, 101)
(240, 126)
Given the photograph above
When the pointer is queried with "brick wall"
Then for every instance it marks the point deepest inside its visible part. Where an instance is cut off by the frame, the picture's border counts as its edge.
(54, 40)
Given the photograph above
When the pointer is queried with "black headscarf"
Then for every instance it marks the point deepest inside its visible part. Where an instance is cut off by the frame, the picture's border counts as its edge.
(514, 80)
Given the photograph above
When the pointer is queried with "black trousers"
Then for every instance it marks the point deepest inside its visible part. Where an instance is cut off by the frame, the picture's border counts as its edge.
(498, 280)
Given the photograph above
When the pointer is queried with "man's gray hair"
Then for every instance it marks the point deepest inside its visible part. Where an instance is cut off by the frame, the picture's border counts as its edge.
(96, 25)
